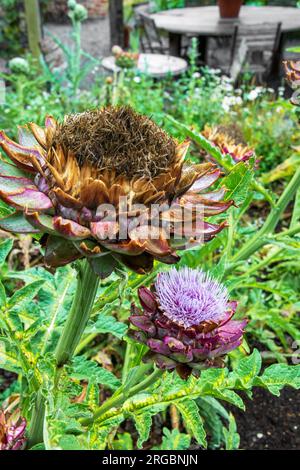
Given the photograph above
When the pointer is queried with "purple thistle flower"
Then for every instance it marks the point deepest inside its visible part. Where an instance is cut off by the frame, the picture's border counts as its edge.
(186, 322)
(189, 297)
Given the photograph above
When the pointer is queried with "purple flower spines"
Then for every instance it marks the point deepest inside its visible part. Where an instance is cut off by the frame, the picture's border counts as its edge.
(189, 297)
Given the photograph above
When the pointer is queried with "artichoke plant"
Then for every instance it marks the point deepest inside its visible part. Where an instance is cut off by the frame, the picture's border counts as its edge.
(186, 322)
(123, 59)
(12, 430)
(89, 185)
(292, 70)
(228, 143)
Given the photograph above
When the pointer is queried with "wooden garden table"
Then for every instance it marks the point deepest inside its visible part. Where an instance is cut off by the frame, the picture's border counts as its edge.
(206, 21)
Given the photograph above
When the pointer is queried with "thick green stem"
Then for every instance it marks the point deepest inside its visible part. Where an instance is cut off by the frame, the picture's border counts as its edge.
(111, 295)
(76, 322)
(271, 222)
(35, 435)
(118, 400)
(127, 361)
(33, 20)
(78, 317)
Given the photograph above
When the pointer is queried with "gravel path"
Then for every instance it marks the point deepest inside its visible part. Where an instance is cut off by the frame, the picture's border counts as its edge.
(95, 35)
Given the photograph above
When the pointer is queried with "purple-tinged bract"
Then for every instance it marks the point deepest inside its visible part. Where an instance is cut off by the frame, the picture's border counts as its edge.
(186, 322)
(12, 431)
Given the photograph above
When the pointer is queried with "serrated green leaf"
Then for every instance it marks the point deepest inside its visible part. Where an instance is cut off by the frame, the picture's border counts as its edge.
(231, 436)
(212, 421)
(277, 376)
(107, 324)
(2, 296)
(192, 419)
(237, 182)
(124, 442)
(69, 442)
(211, 379)
(100, 432)
(248, 368)
(25, 294)
(5, 248)
(174, 440)
(83, 369)
(216, 405)
(143, 423)
(135, 375)
(230, 396)
(9, 360)
(92, 395)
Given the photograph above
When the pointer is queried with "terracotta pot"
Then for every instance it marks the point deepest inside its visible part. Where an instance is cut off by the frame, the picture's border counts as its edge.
(229, 8)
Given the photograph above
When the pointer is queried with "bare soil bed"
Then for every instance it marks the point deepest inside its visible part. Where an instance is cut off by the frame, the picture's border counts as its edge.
(270, 423)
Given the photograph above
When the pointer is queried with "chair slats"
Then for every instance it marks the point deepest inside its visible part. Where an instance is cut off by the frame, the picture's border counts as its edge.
(262, 42)
(151, 40)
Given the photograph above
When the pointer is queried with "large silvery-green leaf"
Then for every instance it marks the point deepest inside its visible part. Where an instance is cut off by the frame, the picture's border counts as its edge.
(107, 324)
(237, 182)
(25, 294)
(83, 369)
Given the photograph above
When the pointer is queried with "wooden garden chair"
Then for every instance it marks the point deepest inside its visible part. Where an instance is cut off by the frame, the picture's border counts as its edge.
(151, 40)
(256, 49)
(222, 48)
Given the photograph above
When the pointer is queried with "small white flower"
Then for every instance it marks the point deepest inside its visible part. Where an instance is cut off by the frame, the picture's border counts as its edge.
(230, 101)
(137, 79)
(252, 96)
(226, 79)
(226, 104)
(227, 87)
(215, 71)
